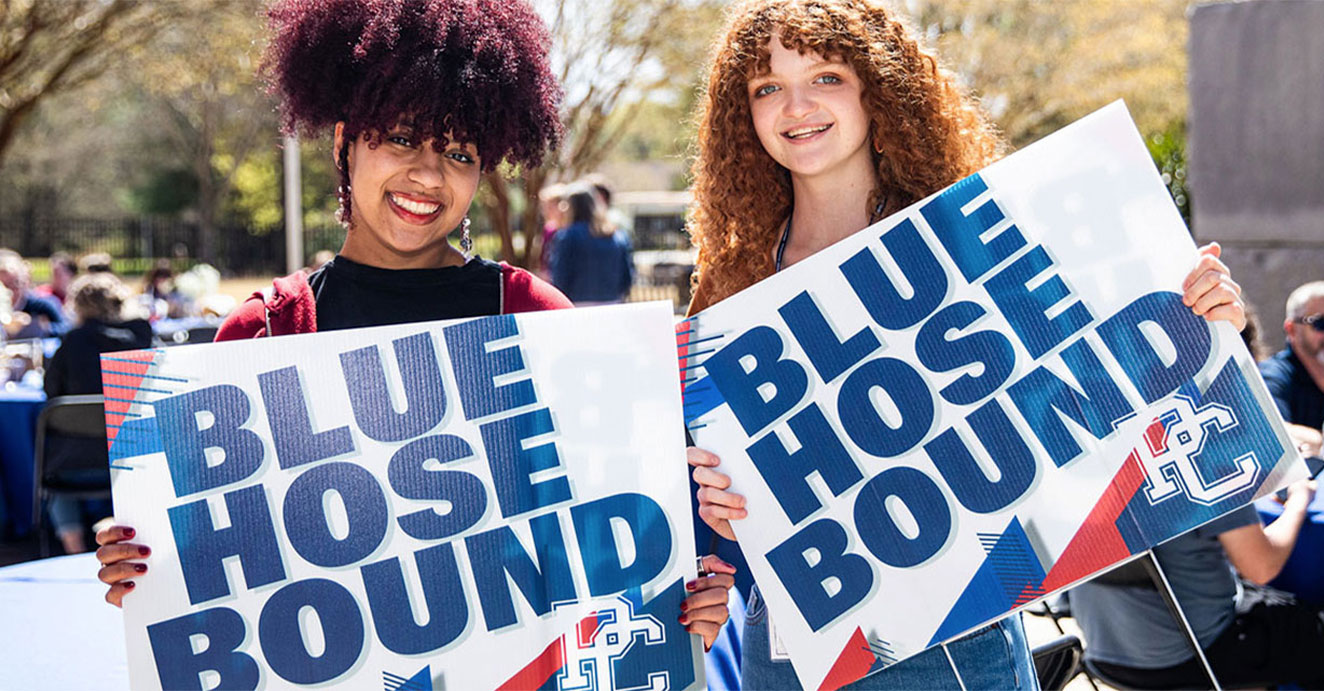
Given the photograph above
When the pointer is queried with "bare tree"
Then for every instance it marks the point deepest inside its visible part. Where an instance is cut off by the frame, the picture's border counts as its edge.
(612, 58)
(52, 46)
(201, 72)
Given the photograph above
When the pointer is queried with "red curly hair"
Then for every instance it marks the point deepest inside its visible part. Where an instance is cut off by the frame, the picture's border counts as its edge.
(929, 131)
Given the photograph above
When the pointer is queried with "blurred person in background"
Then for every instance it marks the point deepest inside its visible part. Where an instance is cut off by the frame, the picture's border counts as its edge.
(1295, 374)
(1251, 335)
(46, 316)
(10, 321)
(591, 261)
(198, 289)
(106, 321)
(318, 260)
(602, 189)
(95, 262)
(551, 205)
(1252, 635)
(63, 271)
(159, 295)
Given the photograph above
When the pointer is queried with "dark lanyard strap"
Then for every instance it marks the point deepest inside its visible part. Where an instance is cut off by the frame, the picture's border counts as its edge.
(786, 234)
(781, 246)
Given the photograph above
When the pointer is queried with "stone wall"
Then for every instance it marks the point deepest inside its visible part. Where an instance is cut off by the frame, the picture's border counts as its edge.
(1256, 145)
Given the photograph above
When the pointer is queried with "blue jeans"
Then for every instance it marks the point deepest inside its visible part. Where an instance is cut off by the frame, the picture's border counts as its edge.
(995, 657)
(67, 513)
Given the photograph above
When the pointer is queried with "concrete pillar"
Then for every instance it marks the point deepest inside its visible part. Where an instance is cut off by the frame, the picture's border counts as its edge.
(1256, 145)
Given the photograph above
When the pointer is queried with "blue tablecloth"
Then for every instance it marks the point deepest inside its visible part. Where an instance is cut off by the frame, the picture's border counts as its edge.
(19, 408)
(1303, 574)
(57, 631)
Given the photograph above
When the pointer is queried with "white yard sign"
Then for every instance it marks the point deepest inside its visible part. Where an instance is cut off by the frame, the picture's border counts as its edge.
(480, 504)
(976, 401)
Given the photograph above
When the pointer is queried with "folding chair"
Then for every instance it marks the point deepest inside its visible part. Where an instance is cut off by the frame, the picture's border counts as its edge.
(1145, 571)
(199, 334)
(1050, 660)
(1057, 662)
(71, 437)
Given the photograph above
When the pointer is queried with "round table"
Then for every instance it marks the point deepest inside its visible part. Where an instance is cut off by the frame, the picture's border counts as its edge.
(19, 408)
(58, 631)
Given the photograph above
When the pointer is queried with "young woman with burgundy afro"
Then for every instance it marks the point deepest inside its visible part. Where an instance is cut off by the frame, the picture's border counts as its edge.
(420, 99)
(820, 118)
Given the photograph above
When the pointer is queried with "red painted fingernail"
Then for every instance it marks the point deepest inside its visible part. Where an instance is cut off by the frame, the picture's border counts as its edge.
(692, 585)
(128, 585)
(684, 620)
(144, 550)
(140, 568)
(130, 532)
(684, 606)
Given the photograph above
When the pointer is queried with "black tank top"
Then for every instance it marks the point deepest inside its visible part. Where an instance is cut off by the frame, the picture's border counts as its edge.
(351, 295)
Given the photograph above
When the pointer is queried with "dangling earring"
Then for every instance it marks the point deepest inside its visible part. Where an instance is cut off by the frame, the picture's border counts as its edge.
(343, 191)
(342, 209)
(466, 242)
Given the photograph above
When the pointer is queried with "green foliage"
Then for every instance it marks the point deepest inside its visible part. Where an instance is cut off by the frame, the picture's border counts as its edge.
(659, 130)
(255, 199)
(1039, 66)
(1168, 149)
(320, 181)
(487, 246)
(49, 47)
(124, 268)
(166, 191)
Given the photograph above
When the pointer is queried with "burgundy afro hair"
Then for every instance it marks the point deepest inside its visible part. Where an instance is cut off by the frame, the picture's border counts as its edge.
(476, 69)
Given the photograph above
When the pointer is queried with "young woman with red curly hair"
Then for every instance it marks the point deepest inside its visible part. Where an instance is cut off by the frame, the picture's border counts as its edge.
(421, 98)
(820, 118)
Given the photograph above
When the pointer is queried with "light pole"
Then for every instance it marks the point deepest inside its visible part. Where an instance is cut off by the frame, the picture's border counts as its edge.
(293, 206)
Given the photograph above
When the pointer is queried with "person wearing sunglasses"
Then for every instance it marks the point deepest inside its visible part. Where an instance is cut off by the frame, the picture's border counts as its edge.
(1295, 375)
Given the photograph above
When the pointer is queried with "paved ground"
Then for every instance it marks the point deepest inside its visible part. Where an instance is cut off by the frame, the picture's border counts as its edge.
(241, 288)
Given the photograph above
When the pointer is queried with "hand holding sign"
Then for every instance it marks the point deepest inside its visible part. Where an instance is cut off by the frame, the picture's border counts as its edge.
(1210, 291)
(705, 612)
(717, 506)
(117, 565)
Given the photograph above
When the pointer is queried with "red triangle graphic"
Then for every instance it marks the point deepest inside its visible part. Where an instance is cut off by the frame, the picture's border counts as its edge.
(1098, 543)
(855, 661)
(122, 381)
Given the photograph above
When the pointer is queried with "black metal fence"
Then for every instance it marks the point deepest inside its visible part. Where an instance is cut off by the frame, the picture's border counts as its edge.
(660, 232)
(134, 243)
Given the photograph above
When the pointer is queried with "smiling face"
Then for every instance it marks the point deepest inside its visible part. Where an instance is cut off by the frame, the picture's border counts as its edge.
(808, 113)
(407, 198)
